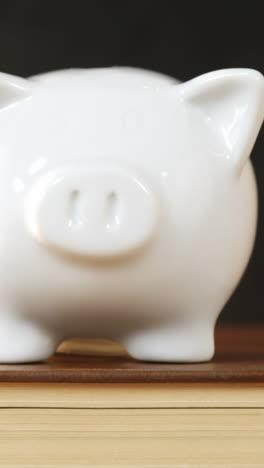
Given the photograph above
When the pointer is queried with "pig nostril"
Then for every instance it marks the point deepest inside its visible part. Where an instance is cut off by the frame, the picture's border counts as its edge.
(112, 196)
(111, 211)
(73, 208)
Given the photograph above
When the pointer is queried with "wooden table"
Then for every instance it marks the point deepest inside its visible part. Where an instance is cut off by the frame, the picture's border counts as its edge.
(97, 407)
(239, 358)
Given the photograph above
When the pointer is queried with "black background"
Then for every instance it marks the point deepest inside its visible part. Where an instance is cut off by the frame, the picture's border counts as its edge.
(180, 38)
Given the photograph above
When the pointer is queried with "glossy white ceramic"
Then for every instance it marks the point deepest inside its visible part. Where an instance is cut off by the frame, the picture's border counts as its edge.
(128, 208)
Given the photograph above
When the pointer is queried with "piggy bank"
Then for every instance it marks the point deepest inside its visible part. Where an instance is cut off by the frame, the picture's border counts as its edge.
(128, 208)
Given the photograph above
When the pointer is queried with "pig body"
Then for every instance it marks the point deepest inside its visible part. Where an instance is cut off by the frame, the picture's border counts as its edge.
(128, 208)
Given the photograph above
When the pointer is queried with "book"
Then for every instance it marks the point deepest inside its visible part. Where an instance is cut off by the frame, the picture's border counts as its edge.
(91, 405)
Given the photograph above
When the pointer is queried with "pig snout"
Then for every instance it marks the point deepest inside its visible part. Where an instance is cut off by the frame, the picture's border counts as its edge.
(94, 212)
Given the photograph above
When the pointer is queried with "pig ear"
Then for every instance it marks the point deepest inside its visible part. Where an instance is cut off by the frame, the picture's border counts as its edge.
(232, 102)
(13, 89)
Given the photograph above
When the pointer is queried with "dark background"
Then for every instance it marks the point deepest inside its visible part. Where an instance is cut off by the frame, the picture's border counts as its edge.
(180, 38)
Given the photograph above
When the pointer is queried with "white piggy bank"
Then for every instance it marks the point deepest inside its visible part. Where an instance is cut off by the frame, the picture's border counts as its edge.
(128, 208)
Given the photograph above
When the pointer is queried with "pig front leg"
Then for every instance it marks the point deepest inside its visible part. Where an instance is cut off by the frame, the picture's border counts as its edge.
(172, 341)
(23, 340)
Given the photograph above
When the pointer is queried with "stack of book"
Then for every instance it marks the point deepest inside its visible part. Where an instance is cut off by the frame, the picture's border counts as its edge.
(97, 407)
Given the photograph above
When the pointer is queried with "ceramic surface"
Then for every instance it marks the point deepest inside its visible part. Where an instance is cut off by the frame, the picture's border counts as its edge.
(128, 208)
